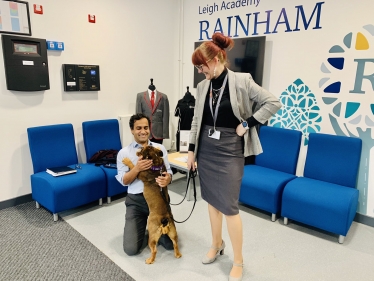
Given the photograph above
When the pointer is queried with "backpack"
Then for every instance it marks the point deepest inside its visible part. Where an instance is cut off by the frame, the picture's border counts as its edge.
(105, 156)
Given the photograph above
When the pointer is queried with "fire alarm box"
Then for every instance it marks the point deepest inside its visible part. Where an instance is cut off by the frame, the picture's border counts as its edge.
(92, 18)
(78, 77)
(38, 9)
(26, 63)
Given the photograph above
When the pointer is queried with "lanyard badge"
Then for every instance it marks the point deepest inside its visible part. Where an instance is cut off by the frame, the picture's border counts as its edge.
(214, 134)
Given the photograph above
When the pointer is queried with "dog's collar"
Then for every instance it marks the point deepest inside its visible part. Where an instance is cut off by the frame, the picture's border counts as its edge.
(156, 168)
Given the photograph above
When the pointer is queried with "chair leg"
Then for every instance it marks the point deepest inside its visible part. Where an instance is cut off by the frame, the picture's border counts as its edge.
(273, 217)
(109, 200)
(285, 221)
(37, 205)
(341, 239)
(55, 217)
(101, 201)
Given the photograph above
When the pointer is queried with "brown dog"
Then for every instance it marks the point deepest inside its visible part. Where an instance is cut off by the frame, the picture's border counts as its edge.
(160, 220)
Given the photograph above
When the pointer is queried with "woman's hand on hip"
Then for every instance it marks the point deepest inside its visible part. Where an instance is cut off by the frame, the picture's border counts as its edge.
(240, 130)
(191, 161)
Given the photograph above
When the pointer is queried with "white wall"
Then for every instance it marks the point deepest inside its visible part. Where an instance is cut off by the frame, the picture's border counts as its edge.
(132, 41)
(299, 55)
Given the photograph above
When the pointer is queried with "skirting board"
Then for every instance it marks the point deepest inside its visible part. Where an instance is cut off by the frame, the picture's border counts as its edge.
(364, 219)
(27, 198)
(15, 201)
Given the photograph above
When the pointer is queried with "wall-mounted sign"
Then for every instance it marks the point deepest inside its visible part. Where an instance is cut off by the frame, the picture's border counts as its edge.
(15, 17)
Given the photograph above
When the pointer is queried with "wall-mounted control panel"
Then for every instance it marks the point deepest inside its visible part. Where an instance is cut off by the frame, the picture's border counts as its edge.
(26, 63)
(80, 77)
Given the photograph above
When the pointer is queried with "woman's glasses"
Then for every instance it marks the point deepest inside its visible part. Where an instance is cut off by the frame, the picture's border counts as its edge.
(200, 67)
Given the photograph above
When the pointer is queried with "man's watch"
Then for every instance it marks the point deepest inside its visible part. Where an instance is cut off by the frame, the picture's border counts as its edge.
(245, 125)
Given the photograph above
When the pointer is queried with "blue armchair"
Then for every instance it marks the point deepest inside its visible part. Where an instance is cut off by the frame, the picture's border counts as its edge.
(54, 146)
(326, 196)
(263, 182)
(100, 135)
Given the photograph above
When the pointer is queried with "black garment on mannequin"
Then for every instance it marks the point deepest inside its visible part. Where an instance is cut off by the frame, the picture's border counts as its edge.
(185, 111)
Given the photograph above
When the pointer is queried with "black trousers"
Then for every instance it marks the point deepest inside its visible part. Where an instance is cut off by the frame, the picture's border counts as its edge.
(135, 225)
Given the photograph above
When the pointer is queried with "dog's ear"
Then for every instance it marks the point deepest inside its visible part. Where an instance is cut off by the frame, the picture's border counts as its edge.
(139, 151)
(160, 153)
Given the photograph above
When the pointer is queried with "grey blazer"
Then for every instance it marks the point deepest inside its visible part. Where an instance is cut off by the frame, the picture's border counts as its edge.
(159, 115)
(243, 92)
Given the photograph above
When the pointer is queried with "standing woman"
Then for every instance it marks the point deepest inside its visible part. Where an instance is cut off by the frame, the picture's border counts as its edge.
(222, 134)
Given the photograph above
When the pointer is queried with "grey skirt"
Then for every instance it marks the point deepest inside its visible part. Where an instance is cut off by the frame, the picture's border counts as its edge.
(220, 164)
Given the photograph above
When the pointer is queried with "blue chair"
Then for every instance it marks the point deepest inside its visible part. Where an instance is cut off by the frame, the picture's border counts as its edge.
(263, 182)
(54, 146)
(326, 196)
(100, 135)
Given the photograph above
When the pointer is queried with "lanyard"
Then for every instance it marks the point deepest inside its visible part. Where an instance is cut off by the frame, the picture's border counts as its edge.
(218, 102)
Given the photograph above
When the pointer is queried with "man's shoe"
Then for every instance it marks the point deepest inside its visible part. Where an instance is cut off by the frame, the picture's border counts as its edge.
(166, 242)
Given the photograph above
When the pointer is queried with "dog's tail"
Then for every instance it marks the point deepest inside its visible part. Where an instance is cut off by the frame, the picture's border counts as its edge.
(165, 227)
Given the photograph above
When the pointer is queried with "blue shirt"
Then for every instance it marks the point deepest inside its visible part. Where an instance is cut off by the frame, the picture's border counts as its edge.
(129, 151)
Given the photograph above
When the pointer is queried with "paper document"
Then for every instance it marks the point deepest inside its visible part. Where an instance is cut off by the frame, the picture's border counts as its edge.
(182, 159)
(184, 141)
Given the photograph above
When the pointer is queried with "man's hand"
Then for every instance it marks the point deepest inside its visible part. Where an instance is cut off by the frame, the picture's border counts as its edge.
(163, 180)
(143, 165)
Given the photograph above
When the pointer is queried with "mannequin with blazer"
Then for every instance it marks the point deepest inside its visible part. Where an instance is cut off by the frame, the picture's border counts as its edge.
(159, 114)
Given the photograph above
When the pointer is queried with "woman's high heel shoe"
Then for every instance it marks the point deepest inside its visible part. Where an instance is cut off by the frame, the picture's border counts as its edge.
(220, 250)
(237, 278)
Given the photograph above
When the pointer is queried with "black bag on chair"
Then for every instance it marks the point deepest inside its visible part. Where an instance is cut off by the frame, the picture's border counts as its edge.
(105, 156)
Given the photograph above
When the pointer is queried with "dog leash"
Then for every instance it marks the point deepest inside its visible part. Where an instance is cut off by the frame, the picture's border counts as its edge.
(192, 174)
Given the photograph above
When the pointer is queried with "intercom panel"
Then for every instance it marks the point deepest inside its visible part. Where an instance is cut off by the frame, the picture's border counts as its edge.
(26, 63)
(79, 77)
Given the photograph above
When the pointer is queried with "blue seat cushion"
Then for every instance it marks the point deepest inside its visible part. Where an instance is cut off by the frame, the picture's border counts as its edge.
(324, 205)
(61, 193)
(113, 186)
(262, 187)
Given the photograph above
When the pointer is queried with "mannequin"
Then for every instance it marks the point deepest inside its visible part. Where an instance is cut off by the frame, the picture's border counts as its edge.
(158, 113)
(188, 96)
(151, 86)
(185, 111)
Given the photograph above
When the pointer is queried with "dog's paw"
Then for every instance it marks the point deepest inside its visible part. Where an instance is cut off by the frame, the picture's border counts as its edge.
(128, 163)
(149, 261)
(178, 255)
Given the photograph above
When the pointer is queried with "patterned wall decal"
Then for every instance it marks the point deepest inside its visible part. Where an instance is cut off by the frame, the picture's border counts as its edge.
(300, 110)
(354, 117)
(338, 63)
(361, 42)
(333, 88)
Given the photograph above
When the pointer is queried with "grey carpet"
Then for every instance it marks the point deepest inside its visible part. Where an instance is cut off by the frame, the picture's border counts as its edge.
(33, 247)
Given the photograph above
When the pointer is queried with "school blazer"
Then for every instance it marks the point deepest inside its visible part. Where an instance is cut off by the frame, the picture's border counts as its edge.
(159, 115)
(243, 93)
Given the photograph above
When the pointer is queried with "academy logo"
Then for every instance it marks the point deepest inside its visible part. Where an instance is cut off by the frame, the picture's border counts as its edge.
(348, 87)
(354, 58)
